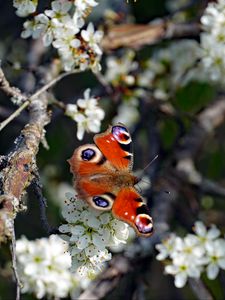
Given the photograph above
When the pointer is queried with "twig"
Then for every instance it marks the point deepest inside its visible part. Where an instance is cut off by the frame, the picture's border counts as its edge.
(14, 115)
(10, 90)
(29, 99)
(119, 266)
(14, 263)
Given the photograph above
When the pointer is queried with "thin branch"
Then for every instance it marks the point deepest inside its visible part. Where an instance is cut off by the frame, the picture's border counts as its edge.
(13, 115)
(28, 99)
(14, 262)
(119, 266)
(10, 90)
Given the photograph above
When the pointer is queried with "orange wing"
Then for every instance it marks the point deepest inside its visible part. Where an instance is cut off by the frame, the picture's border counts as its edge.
(130, 208)
(115, 144)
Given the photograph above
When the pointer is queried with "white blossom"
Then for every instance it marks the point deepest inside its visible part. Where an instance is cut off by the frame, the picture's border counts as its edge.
(93, 38)
(83, 5)
(127, 113)
(203, 251)
(119, 70)
(25, 7)
(212, 64)
(90, 233)
(170, 68)
(166, 248)
(59, 10)
(216, 257)
(42, 265)
(182, 269)
(36, 27)
(61, 26)
(86, 113)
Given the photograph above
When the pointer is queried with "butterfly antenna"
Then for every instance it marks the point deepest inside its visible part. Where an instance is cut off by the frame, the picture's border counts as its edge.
(151, 162)
(142, 173)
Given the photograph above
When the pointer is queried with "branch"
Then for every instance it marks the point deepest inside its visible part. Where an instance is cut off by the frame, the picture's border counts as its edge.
(29, 99)
(136, 35)
(17, 175)
(108, 280)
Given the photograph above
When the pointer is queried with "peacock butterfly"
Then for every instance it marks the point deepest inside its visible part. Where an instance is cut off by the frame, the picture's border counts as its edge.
(103, 178)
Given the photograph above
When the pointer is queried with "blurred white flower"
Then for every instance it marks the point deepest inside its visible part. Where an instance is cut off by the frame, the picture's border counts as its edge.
(127, 113)
(119, 69)
(206, 236)
(193, 254)
(83, 5)
(213, 42)
(170, 68)
(42, 265)
(182, 269)
(25, 7)
(86, 113)
(166, 248)
(89, 234)
(216, 257)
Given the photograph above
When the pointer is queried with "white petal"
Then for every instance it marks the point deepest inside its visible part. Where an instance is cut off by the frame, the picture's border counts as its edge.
(171, 269)
(212, 271)
(221, 263)
(180, 280)
(200, 228)
(213, 232)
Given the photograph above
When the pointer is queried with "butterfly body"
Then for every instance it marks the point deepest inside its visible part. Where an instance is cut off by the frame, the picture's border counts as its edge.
(103, 178)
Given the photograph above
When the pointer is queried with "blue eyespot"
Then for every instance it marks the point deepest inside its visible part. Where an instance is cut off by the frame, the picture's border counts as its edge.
(87, 154)
(100, 201)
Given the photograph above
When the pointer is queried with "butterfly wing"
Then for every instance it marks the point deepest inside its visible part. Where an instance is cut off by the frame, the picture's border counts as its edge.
(115, 144)
(92, 179)
(130, 208)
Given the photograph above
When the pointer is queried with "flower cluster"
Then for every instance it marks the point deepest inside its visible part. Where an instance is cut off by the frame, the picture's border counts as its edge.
(119, 70)
(43, 267)
(213, 41)
(25, 7)
(61, 26)
(193, 254)
(89, 234)
(86, 113)
(160, 76)
(170, 68)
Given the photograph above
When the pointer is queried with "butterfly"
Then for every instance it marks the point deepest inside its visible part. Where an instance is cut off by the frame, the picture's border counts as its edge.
(103, 178)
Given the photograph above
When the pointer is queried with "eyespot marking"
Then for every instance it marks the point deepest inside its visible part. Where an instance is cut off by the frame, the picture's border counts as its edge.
(144, 224)
(88, 154)
(121, 134)
(101, 202)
